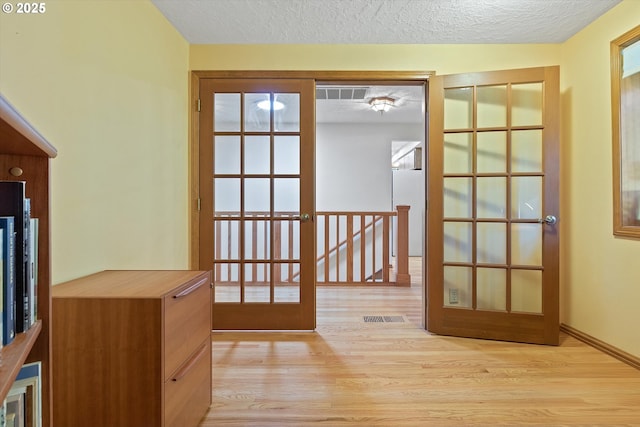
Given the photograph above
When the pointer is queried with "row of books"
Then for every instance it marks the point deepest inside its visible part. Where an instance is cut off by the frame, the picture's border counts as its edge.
(22, 406)
(18, 256)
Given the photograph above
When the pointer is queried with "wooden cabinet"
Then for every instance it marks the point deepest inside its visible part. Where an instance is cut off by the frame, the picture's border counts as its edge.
(25, 156)
(132, 349)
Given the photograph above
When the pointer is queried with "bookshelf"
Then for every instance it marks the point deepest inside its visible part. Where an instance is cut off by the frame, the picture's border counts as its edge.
(25, 156)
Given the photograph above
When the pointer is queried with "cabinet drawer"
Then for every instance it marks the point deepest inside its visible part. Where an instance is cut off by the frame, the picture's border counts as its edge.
(188, 391)
(187, 321)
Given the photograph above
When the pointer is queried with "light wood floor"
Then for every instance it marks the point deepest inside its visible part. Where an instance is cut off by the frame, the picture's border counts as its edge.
(349, 372)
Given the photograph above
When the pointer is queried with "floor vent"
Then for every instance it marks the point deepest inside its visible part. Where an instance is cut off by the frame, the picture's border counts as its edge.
(383, 319)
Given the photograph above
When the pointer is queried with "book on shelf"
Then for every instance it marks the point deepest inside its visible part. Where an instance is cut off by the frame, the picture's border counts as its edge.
(8, 279)
(13, 202)
(32, 274)
(23, 404)
(1, 294)
(27, 285)
(15, 407)
(29, 379)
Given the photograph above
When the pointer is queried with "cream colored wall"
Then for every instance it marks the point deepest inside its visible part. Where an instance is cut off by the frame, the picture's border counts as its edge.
(600, 273)
(443, 59)
(107, 83)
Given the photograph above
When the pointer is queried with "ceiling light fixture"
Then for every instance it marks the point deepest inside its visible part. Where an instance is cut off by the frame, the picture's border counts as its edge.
(382, 103)
(266, 105)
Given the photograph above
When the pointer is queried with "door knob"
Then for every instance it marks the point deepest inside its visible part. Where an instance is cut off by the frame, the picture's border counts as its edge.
(549, 219)
(303, 217)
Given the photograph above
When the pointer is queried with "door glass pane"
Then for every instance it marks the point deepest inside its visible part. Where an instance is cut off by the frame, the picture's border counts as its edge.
(491, 289)
(458, 108)
(286, 195)
(286, 239)
(491, 199)
(287, 282)
(526, 101)
(526, 150)
(257, 240)
(287, 118)
(226, 197)
(458, 152)
(226, 155)
(492, 106)
(526, 291)
(227, 240)
(457, 242)
(492, 152)
(226, 112)
(526, 197)
(257, 154)
(257, 195)
(257, 282)
(257, 114)
(457, 286)
(286, 154)
(526, 244)
(491, 243)
(457, 197)
(227, 282)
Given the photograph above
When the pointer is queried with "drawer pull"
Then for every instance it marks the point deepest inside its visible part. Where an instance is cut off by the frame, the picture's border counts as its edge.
(185, 370)
(190, 289)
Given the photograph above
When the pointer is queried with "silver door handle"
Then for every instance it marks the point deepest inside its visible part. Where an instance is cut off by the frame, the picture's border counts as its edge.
(302, 217)
(549, 219)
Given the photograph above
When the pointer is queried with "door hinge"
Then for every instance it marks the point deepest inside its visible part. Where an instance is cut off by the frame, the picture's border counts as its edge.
(198, 201)
(198, 104)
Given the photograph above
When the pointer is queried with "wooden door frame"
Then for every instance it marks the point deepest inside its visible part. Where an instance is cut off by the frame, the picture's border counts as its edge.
(324, 77)
(390, 78)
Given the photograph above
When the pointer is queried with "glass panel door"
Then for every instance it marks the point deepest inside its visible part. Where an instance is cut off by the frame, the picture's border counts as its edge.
(493, 200)
(257, 144)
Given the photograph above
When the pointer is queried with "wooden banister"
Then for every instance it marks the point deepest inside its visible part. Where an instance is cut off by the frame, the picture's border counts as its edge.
(403, 278)
(340, 245)
(346, 241)
(374, 252)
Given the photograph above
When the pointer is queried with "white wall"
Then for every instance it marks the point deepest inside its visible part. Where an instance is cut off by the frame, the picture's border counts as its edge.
(353, 164)
(353, 171)
(408, 189)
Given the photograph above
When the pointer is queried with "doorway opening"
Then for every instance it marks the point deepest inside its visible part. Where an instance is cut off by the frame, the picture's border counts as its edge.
(370, 141)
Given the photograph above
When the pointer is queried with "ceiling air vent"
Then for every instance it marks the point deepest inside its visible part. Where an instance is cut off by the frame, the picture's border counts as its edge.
(341, 93)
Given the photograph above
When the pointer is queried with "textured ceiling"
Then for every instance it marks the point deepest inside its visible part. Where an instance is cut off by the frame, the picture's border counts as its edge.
(380, 21)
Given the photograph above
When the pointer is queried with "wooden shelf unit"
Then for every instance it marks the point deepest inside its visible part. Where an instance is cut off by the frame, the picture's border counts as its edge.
(132, 348)
(23, 149)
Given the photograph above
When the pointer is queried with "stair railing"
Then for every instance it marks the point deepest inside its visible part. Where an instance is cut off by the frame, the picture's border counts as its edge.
(353, 247)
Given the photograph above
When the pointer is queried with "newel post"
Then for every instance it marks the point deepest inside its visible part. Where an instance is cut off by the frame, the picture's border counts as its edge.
(403, 278)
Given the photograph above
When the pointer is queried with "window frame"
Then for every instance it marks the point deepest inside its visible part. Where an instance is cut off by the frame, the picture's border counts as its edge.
(620, 228)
